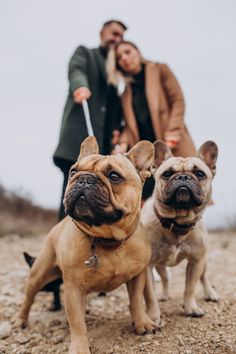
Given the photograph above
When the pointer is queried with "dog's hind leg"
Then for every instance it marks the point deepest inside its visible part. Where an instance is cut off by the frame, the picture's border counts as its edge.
(42, 272)
(210, 293)
(56, 305)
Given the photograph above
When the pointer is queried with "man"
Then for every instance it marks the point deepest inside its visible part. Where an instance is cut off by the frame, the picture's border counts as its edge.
(87, 80)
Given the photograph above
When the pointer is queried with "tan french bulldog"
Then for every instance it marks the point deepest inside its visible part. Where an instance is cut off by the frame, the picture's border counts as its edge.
(171, 218)
(100, 244)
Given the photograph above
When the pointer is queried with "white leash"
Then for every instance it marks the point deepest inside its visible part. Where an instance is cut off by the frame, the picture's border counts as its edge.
(87, 117)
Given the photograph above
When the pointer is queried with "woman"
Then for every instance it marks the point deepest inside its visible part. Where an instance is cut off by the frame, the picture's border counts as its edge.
(152, 101)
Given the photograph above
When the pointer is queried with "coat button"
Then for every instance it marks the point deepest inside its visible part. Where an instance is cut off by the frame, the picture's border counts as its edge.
(103, 109)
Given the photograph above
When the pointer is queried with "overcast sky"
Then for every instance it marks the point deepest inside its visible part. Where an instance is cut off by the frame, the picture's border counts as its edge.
(37, 39)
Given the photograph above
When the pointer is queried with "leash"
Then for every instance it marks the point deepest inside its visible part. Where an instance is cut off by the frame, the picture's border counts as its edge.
(87, 117)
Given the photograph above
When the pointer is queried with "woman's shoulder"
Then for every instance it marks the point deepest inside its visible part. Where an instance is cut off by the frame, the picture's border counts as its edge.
(156, 64)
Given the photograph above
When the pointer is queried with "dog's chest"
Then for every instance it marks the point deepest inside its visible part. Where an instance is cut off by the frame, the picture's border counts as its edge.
(168, 254)
(113, 269)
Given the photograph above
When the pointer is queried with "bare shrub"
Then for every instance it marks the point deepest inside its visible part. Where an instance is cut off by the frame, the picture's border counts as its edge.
(18, 214)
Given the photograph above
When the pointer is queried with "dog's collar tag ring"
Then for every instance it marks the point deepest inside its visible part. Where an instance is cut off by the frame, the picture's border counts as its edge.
(93, 260)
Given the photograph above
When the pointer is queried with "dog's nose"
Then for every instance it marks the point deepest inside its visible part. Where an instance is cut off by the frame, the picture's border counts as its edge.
(182, 178)
(87, 179)
(182, 195)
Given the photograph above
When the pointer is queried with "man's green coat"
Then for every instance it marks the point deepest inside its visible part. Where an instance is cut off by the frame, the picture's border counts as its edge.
(87, 69)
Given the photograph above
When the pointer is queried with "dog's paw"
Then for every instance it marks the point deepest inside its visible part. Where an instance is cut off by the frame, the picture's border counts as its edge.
(154, 314)
(193, 311)
(54, 308)
(164, 297)
(212, 296)
(19, 322)
(80, 346)
(144, 325)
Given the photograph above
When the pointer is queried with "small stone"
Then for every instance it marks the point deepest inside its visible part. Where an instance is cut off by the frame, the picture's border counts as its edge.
(22, 339)
(156, 343)
(57, 339)
(54, 323)
(2, 349)
(5, 329)
(40, 349)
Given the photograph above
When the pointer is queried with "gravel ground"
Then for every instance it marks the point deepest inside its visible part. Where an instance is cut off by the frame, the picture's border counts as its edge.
(108, 318)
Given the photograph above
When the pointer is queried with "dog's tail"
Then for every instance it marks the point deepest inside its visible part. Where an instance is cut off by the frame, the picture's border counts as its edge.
(29, 259)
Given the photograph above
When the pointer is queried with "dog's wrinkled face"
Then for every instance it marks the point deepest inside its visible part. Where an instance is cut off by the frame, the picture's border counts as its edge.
(184, 184)
(106, 190)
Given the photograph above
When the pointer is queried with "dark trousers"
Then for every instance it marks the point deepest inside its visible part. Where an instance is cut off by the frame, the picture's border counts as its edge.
(148, 188)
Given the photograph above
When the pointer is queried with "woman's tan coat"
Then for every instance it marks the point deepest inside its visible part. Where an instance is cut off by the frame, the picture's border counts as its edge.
(166, 105)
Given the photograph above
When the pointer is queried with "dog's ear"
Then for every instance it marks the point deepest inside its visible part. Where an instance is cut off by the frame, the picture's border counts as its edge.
(162, 152)
(88, 147)
(208, 152)
(141, 155)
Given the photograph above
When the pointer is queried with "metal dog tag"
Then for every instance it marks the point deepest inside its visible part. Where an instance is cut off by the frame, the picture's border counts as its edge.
(93, 260)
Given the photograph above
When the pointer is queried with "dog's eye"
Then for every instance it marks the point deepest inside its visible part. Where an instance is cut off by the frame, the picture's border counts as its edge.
(72, 172)
(114, 176)
(167, 174)
(200, 174)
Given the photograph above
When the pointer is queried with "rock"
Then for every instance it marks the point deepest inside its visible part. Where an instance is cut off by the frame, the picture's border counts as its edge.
(3, 349)
(22, 339)
(58, 339)
(41, 349)
(5, 329)
(54, 323)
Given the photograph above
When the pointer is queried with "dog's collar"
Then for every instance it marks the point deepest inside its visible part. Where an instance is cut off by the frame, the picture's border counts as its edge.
(107, 243)
(173, 226)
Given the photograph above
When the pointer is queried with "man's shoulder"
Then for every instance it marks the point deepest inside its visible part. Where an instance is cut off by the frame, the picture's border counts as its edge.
(86, 49)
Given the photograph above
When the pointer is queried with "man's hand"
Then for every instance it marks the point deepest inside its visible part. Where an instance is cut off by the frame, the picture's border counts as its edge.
(82, 93)
(115, 137)
(118, 148)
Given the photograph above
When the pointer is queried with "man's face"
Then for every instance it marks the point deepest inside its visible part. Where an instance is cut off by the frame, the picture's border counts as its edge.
(111, 34)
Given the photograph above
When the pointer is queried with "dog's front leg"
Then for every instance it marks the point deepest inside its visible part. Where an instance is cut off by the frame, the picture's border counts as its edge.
(142, 322)
(162, 271)
(75, 310)
(193, 273)
(210, 293)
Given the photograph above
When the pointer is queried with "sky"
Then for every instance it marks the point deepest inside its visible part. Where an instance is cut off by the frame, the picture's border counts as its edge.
(37, 38)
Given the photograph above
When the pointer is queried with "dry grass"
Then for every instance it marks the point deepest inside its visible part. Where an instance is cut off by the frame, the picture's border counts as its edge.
(19, 215)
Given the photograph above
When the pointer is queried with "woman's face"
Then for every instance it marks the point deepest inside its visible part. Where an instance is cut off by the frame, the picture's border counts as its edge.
(128, 58)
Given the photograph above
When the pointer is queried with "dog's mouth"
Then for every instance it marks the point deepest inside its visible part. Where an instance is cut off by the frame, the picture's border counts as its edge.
(183, 193)
(88, 201)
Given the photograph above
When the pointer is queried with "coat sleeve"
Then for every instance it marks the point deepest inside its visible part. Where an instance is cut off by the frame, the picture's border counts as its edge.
(175, 102)
(78, 69)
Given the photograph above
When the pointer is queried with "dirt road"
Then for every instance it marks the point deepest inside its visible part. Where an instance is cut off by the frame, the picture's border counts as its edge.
(108, 319)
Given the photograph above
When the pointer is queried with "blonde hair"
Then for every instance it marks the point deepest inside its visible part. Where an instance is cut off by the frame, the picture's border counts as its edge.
(115, 76)
(113, 73)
